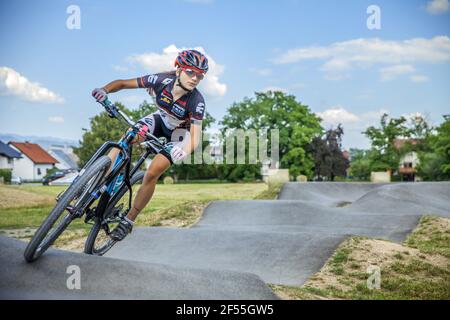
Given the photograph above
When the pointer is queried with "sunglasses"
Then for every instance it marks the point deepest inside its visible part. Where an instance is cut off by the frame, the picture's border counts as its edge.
(191, 73)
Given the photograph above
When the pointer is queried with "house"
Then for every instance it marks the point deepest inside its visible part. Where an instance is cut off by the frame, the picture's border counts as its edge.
(65, 156)
(35, 161)
(7, 156)
(408, 162)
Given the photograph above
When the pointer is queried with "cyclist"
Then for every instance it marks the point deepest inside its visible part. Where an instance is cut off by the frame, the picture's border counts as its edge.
(179, 117)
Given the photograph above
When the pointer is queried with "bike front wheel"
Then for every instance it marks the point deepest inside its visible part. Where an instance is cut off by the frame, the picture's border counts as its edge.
(71, 202)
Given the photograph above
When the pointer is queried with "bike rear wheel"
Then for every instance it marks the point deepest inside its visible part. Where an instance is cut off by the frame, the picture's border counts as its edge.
(72, 201)
(98, 241)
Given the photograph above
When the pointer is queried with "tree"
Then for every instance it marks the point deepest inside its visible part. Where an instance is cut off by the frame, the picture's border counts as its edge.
(386, 156)
(442, 144)
(327, 153)
(103, 128)
(296, 123)
(435, 159)
(360, 166)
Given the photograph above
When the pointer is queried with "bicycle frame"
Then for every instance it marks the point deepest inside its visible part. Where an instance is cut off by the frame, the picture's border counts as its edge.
(106, 191)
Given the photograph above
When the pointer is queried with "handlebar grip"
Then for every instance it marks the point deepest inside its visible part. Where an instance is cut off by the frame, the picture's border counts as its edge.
(111, 109)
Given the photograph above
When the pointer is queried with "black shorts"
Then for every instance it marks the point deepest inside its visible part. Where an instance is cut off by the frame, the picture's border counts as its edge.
(178, 136)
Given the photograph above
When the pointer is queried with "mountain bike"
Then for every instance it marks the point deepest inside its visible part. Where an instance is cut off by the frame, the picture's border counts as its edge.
(98, 192)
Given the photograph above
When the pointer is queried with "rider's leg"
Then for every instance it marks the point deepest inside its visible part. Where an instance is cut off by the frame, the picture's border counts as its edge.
(157, 167)
(112, 154)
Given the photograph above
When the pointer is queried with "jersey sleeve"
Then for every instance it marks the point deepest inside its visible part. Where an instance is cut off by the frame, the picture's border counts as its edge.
(150, 81)
(198, 109)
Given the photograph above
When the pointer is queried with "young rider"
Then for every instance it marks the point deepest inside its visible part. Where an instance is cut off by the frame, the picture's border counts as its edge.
(179, 117)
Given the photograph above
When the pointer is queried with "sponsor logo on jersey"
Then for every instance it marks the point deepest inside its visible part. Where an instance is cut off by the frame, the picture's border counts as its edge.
(152, 78)
(177, 110)
(200, 107)
(166, 100)
(149, 121)
(166, 81)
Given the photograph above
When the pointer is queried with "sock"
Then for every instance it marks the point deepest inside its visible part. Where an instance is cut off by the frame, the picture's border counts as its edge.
(129, 221)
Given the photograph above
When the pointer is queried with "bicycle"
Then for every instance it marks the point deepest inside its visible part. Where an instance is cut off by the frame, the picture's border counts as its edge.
(96, 193)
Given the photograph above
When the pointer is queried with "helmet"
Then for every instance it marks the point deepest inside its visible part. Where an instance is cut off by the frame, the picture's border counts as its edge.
(192, 59)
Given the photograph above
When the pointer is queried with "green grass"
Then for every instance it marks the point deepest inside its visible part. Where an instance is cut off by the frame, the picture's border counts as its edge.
(431, 236)
(270, 193)
(406, 274)
(169, 201)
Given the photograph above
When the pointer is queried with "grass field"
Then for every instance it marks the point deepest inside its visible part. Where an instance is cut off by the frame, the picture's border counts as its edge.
(23, 208)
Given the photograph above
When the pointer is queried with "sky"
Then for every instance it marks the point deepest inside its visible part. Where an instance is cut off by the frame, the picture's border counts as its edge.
(348, 61)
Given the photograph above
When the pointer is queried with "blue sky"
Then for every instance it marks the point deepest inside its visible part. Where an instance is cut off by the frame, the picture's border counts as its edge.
(321, 52)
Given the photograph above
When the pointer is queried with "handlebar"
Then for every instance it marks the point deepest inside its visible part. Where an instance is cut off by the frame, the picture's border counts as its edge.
(115, 112)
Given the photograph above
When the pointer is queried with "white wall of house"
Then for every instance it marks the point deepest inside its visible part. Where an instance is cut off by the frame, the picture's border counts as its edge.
(24, 168)
(40, 170)
(6, 163)
(410, 157)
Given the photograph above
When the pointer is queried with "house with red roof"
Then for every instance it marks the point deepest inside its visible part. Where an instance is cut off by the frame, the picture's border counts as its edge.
(7, 156)
(34, 163)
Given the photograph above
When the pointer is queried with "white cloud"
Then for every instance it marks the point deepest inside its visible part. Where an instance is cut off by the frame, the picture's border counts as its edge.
(159, 62)
(337, 115)
(274, 88)
(261, 72)
(419, 78)
(390, 73)
(56, 119)
(340, 57)
(413, 115)
(336, 64)
(13, 83)
(438, 6)
(353, 124)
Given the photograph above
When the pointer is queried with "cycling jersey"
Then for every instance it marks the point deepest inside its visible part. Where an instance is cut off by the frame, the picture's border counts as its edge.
(188, 109)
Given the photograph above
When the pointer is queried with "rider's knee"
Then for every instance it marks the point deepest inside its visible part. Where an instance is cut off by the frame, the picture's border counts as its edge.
(151, 177)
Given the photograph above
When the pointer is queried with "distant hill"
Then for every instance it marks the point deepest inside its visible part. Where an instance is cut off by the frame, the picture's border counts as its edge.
(44, 142)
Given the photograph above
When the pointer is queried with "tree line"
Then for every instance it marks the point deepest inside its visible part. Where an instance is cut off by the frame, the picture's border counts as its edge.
(305, 147)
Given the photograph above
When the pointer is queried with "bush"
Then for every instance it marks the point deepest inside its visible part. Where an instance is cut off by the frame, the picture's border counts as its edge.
(6, 174)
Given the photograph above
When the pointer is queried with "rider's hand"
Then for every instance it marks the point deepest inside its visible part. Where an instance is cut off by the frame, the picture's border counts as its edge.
(177, 153)
(99, 94)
